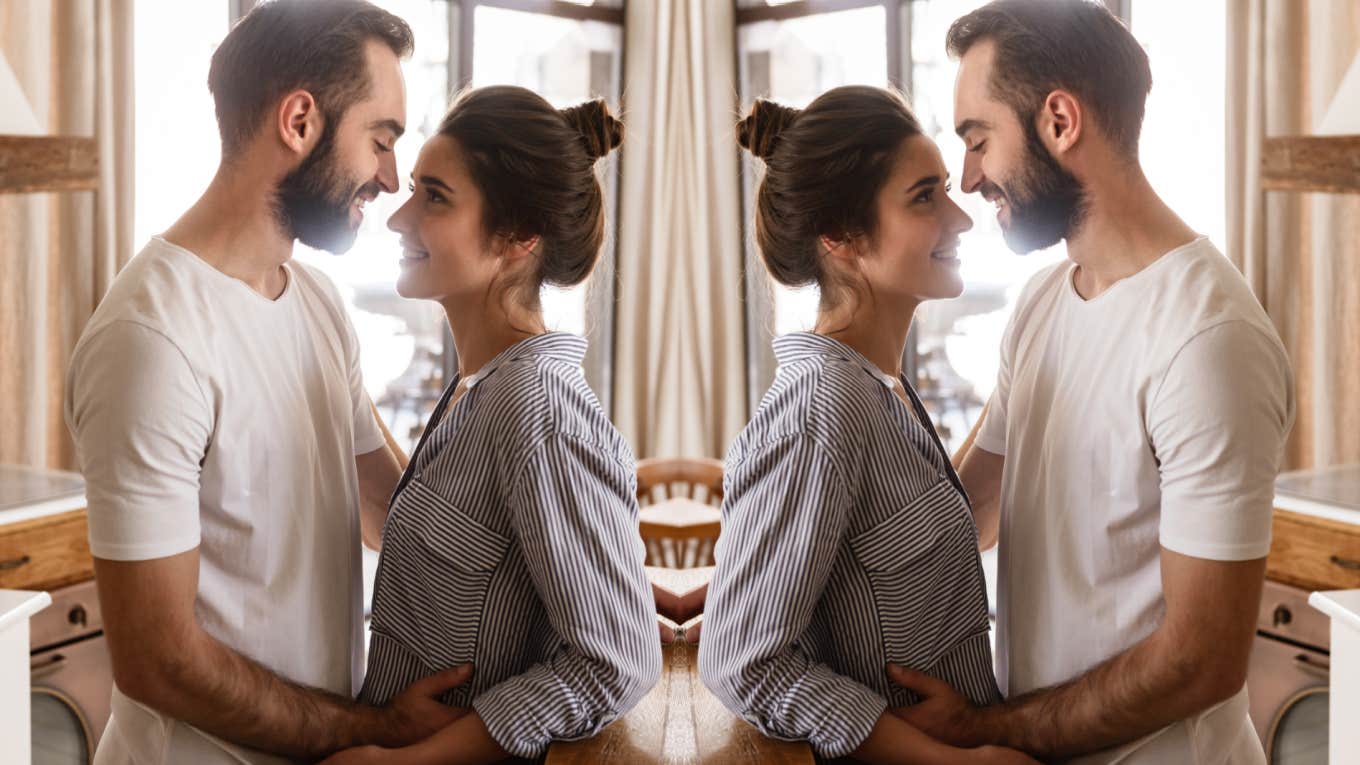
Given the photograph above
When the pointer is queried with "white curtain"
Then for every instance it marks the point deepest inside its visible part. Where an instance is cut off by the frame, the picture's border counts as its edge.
(679, 366)
(72, 64)
(1300, 252)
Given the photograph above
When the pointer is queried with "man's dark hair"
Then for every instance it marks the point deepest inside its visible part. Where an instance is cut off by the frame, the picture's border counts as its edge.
(1074, 45)
(285, 45)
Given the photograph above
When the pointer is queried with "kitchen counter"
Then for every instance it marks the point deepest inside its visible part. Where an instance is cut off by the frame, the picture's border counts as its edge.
(16, 607)
(28, 493)
(1343, 606)
(1330, 493)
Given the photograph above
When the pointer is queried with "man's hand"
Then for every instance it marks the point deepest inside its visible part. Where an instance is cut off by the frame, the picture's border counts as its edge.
(942, 713)
(416, 713)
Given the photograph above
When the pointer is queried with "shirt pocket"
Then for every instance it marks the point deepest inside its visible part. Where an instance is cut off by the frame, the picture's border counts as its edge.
(921, 564)
(435, 575)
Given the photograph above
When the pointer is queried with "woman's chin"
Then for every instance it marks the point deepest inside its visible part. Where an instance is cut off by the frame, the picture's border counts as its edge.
(409, 286)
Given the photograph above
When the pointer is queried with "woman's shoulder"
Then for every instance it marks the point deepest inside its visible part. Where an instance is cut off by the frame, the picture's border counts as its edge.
(539, 398)
(821, 399)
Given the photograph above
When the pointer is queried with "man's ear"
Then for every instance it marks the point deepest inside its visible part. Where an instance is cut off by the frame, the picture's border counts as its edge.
(1061, 122)
(299, 122)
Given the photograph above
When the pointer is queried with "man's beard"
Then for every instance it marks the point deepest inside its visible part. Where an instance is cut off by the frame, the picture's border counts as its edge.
(312, 202)
(1047, 203)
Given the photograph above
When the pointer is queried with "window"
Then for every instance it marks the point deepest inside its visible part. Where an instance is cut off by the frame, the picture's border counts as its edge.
(175, 143)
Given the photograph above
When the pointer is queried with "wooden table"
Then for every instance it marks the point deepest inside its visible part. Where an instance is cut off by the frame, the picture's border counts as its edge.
(679, 722)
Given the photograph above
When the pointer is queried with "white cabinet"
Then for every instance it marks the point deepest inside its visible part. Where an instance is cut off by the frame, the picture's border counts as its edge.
(16, 607)
(1344, 608)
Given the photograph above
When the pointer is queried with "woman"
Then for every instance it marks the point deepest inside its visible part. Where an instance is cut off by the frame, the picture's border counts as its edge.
(848, 542)
(511, 542)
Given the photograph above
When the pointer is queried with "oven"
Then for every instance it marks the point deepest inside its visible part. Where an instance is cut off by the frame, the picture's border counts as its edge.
(71, 677)
(1288, 679)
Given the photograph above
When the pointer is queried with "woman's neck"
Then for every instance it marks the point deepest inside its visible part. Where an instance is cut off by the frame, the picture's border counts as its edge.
(482, 330)
(877, 334)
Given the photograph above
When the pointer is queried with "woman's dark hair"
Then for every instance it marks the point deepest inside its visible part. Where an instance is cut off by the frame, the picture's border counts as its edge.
(535, 168)
(824, 167)
(284, 45)
(1076, 45)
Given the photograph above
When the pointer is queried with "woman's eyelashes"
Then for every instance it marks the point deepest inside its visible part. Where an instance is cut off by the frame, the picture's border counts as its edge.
(928, 195)
(430, 194)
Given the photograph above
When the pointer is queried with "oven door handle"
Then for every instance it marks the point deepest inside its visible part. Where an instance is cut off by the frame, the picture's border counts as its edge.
(1312, 666)
(51, 665)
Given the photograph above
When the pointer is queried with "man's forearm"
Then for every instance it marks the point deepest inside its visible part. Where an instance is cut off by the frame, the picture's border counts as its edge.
(234, 698)
(1135, 693)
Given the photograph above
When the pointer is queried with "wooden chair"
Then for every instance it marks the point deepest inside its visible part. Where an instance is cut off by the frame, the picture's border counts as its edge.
(679, 499)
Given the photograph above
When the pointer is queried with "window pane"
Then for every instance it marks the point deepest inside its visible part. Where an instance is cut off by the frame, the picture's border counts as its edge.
(175, 142)
(1185, 127)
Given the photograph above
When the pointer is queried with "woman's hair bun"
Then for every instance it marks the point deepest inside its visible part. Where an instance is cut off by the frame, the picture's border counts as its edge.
(759, 132)
(598, 128)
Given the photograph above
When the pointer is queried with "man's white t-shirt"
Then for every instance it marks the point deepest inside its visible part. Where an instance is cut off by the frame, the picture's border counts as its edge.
(206, 415)
(1151, 416)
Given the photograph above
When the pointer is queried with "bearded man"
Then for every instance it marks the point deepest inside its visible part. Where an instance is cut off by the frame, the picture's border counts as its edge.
(1126, 461)
(233, 461)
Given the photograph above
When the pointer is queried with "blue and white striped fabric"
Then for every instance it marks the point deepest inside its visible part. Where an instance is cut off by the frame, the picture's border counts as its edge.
(847, 543)
(512, 543)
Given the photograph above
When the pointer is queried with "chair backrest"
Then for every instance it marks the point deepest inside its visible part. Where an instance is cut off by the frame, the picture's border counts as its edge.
(696, 478)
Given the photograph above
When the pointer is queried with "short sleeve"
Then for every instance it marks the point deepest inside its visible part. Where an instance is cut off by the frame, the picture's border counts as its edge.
(141, 426)
(1218, 423)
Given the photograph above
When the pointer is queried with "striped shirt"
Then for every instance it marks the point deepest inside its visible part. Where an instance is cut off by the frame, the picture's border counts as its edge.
(512, 543)
(847, 543)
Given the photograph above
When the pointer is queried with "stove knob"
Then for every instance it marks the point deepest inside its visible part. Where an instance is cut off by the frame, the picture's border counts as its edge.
(78, 617)
(1282, 616)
